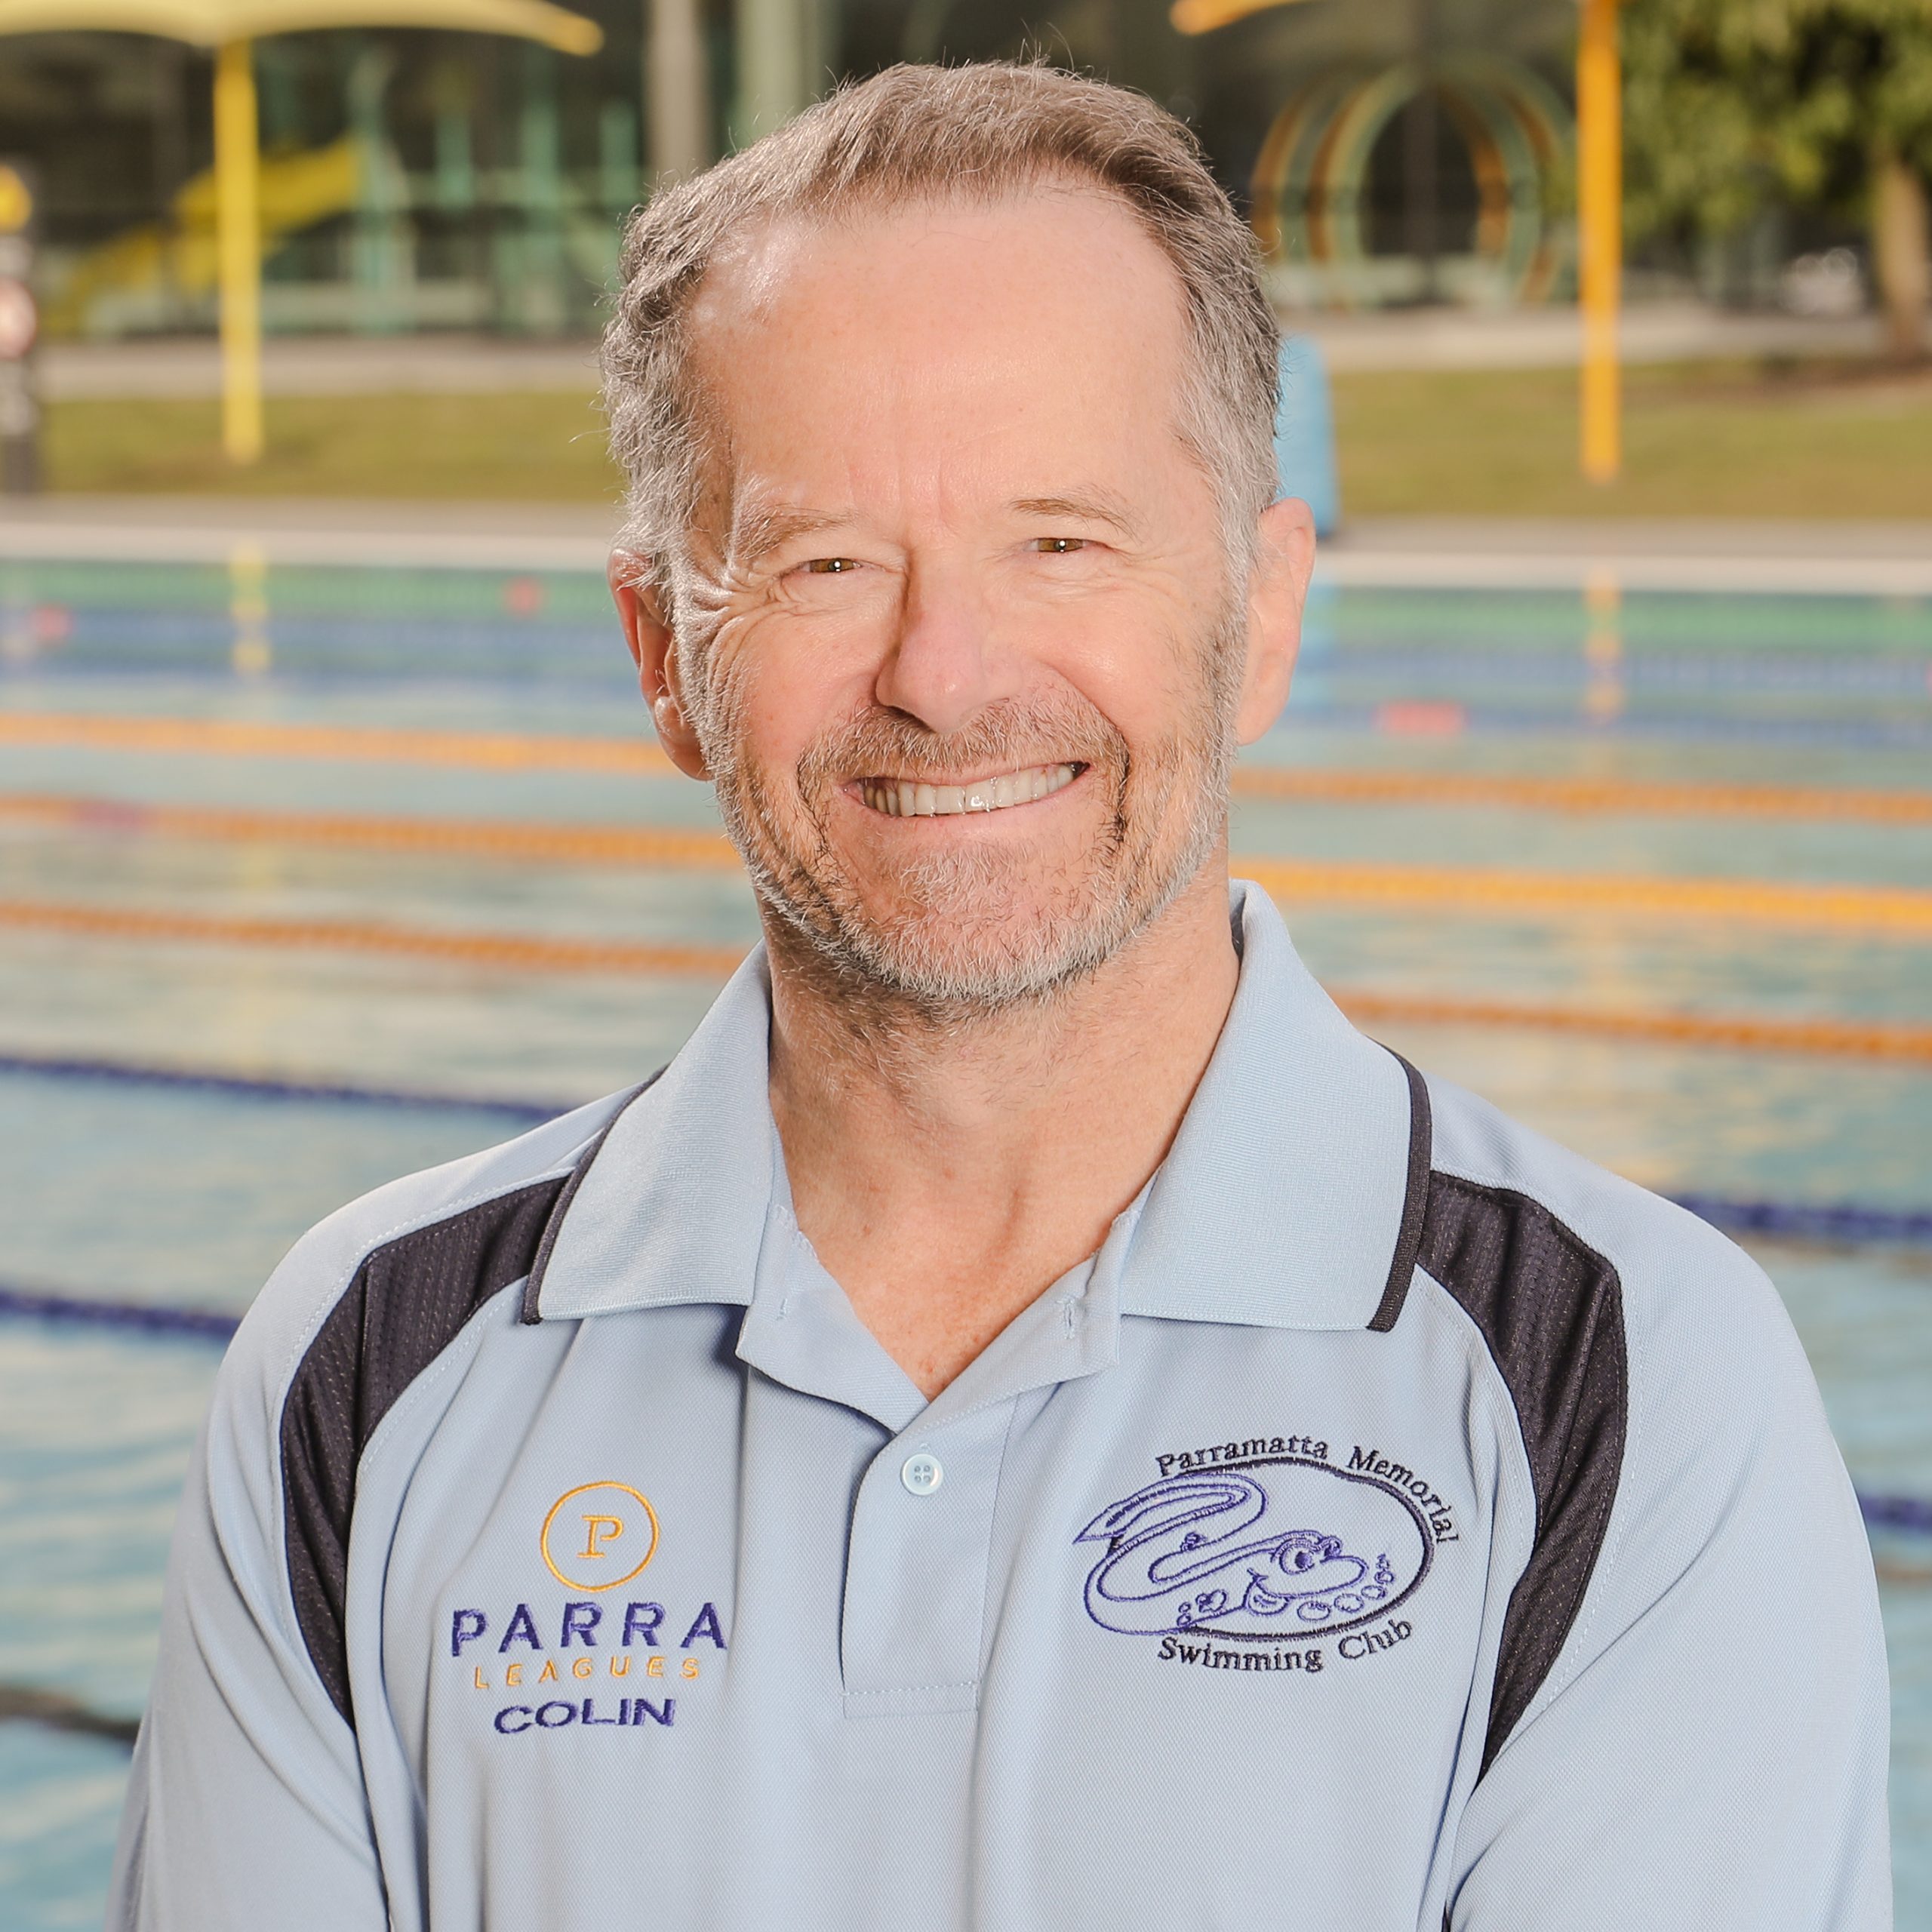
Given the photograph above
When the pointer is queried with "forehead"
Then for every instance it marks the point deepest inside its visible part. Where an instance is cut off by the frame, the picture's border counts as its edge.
(973, 337)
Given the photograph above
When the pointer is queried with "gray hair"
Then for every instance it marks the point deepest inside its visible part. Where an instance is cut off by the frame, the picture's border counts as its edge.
(913, 133)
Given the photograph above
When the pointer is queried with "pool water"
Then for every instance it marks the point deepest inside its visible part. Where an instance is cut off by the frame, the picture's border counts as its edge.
(123, 1190)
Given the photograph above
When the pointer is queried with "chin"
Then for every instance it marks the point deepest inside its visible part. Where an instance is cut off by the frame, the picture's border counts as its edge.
(979, 950)
(973, 930)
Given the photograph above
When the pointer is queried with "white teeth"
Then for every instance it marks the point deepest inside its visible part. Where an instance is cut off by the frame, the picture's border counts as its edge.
(902, 799)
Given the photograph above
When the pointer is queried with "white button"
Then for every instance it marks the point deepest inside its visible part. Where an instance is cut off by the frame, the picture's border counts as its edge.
(922, 1473)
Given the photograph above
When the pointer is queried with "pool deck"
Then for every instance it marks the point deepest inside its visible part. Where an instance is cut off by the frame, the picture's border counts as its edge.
(1816, 558)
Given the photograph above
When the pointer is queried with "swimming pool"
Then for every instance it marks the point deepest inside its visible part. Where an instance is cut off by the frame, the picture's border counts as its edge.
(309, 876)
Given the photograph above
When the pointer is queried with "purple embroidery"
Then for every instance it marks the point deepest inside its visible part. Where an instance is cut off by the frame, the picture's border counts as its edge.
(1222, 1552)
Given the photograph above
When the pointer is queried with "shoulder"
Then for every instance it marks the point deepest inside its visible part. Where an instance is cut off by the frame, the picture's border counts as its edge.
(1528, 1230)
(362, 1304)
(1696, 1592)
(474, 1216)
(1663, 1401)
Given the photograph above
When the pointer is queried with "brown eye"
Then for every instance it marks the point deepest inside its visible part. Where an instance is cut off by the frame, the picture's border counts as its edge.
(831, 566)
(1059, 546)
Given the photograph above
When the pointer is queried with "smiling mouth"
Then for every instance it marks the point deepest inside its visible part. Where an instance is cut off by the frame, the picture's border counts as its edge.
(905, 798)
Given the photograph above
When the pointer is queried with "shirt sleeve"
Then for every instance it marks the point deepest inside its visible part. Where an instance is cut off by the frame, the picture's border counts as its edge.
(1709, 1749)
(246, 1809)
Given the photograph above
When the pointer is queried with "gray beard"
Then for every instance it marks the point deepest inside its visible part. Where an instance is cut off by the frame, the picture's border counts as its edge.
(958, 952)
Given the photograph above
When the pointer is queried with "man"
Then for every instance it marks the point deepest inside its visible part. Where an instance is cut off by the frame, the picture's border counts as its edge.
(1030, 1421)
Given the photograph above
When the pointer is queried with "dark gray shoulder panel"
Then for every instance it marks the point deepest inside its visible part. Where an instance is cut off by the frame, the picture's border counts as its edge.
(1550, 1309)
(407, 1302)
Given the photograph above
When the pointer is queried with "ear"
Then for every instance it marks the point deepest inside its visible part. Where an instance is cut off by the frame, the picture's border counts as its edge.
(653, 650)
(1284, 560)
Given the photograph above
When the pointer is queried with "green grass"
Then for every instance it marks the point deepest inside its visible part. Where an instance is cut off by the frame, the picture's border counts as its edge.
(1712, 440)
(532, 448)
(1716, 439)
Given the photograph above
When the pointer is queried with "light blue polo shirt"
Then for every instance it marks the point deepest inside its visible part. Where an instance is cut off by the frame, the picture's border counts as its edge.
(1399, 1523)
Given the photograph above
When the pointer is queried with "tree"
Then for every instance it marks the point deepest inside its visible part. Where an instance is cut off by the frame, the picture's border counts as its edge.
(1732, 105)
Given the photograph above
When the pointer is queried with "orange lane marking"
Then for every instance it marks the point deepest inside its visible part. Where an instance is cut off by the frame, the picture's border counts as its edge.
(1843, 1038)
(505, 751)
(496, 839)
(1749, 1032)
(492, 750)
(532, 954)
(1885, 909)
(1584, 794)
(1893, 909)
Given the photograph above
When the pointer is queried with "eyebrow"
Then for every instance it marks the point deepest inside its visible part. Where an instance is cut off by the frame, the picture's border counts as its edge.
(1098, 506)
(758, 530)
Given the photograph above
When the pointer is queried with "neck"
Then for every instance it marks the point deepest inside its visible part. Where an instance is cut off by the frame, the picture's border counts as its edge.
(949, 1167)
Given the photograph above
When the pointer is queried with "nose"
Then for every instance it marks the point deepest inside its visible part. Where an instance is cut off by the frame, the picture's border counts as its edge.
(947, 663)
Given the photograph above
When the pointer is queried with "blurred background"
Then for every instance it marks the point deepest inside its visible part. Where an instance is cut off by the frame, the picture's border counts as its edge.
(333, 842)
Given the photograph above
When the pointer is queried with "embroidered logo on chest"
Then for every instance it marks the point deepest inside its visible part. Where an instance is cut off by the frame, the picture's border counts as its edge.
(1271, 1550)
(595, 1537)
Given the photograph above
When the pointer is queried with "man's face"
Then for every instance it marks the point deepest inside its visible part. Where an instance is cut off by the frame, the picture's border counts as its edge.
(963, 656)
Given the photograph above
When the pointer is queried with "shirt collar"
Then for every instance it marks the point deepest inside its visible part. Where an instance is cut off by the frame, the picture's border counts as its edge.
(670, 1205)
(1291, 1197)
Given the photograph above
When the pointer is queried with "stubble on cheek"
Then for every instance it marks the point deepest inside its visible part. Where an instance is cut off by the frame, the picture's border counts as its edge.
(971, 925)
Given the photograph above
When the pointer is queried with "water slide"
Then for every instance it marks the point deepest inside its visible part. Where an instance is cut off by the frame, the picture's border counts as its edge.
(176, 257)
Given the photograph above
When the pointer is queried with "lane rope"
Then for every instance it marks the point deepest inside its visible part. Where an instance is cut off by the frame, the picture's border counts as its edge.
(492, 839)
(1898, 1512)
(1584, 796)
(1746, 1032)
(54, 1710)
(262, 1087)
(1893, 910)
(1844, 1222)
(220, 737)
(519, 952)
(150, 1318)
(1911, 1514)
(1830, 1222)
(506, 751)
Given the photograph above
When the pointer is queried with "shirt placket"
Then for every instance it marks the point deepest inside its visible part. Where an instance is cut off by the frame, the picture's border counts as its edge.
(916, 1567)
(918, 1563)
(919, 1545)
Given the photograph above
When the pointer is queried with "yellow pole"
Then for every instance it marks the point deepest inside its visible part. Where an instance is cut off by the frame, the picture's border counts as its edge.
(239, 249)
(1600, 211)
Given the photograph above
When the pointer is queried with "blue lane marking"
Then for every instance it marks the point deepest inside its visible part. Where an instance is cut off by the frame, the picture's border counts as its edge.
(1839, 1221)
(152, 1318)
(1827, 1221)
(1898, 1512)
(1912, 1513)
(122, 1073)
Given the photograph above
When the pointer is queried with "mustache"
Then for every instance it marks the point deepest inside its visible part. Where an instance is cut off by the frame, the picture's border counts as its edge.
(1009, 735)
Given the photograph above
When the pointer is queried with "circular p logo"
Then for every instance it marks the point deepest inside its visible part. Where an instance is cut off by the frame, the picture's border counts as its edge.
(599, 1535)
